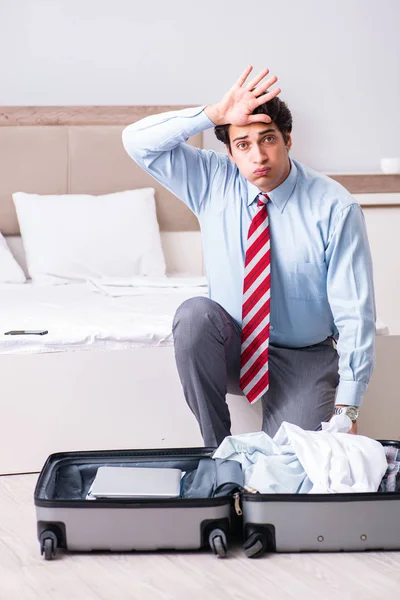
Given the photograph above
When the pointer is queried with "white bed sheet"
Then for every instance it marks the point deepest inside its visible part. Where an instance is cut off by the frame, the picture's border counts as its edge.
(97, 315)
(82, 316)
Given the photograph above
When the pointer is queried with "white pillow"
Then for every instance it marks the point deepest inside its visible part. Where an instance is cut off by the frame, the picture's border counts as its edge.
(81, 237)
(10, 271)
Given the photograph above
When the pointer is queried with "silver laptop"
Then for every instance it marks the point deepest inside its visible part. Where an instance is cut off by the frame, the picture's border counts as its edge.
(136, 482)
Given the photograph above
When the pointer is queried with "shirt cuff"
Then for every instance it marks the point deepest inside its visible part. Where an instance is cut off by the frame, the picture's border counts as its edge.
(350, 393)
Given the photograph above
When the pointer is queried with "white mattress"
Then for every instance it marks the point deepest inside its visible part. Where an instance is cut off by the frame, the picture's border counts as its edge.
(82, 316)
(88, 316)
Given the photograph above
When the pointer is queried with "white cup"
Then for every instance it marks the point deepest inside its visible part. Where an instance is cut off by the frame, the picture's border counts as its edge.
(390, 165)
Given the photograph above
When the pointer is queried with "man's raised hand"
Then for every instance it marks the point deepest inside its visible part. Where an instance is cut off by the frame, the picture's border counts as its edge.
(238, 104)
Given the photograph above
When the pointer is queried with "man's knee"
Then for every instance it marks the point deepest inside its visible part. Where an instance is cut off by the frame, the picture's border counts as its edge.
(192, 319)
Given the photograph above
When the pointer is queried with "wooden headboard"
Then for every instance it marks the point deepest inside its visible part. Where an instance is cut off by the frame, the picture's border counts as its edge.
(78, 149)
(61, 150)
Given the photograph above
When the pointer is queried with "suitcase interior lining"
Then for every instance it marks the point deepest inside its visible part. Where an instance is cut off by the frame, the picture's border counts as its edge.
(204, 477)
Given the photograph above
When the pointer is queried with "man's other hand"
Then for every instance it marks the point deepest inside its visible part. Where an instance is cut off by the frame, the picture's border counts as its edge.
(354, 428)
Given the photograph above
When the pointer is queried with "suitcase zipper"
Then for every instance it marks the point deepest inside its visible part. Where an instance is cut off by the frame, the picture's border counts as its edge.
(236, 498)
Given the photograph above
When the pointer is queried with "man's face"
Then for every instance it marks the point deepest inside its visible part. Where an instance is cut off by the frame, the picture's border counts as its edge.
(260, 153)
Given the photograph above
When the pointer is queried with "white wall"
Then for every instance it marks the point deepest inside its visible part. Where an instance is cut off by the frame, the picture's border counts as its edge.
(383, 225)
(337, 62)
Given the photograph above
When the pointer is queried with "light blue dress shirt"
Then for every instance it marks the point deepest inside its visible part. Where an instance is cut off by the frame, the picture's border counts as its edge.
(321, 268)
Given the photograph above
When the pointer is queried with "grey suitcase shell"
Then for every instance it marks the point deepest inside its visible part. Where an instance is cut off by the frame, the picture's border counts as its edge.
(74, 523)
(321, 522)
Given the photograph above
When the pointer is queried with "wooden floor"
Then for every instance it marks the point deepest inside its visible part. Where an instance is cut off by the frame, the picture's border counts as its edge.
(24, 575)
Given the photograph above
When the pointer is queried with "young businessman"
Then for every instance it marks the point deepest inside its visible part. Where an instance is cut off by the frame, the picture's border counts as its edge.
(287, 262)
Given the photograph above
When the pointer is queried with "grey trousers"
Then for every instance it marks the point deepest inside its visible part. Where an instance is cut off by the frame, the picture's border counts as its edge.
(207, 342)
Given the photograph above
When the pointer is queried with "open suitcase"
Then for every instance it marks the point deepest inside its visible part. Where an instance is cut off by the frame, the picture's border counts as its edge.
(67, 519)
(321, 522)
(271, 522)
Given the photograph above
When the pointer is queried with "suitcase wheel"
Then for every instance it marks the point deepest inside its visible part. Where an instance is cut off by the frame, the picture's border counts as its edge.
(48, 544)
(255, 545)
(218, 542)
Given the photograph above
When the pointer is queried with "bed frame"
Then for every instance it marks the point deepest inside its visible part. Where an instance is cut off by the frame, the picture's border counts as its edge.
(102, 400)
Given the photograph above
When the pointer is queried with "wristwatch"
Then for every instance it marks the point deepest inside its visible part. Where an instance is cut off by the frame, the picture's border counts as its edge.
(350, 411)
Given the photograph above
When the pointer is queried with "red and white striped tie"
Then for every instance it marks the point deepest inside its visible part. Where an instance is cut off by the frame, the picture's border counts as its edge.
(254, 376)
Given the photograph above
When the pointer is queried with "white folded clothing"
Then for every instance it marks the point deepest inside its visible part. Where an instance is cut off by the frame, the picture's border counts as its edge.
(299, 461)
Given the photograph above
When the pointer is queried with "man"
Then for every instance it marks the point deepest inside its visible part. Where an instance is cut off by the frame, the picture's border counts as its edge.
(287, 262)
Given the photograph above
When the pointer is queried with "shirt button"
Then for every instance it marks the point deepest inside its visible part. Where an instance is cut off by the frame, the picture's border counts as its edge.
(271, 326)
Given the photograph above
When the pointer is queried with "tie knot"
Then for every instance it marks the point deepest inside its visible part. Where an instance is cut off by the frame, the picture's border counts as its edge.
(262, 199)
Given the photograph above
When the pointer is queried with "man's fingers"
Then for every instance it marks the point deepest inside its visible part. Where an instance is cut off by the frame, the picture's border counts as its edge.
(252, 84)
(267, 97)
(264, 86)
(244, 76)
(259, 119)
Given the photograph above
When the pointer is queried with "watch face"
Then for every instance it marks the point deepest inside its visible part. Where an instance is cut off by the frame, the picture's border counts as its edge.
(352, 412)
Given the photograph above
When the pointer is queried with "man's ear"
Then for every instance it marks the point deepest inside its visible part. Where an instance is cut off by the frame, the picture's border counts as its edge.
(289, 142)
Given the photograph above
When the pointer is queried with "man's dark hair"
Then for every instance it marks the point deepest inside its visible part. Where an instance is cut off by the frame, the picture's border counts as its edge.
(275, 108)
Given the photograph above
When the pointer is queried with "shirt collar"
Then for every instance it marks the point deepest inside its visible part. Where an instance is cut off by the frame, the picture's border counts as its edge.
(281, 194)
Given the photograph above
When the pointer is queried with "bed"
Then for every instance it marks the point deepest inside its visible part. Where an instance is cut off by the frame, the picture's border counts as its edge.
(87, 384)
(104, 376)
